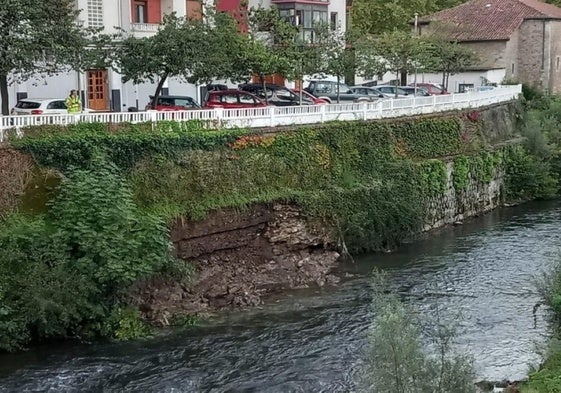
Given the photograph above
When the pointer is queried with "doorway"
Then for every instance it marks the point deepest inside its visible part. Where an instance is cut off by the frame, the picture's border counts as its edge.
(98, 98)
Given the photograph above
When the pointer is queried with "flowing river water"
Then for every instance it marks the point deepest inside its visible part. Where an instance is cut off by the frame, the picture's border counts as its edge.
(315, 340)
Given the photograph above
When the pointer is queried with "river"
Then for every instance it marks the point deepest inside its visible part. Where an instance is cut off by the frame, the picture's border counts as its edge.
(315, 340)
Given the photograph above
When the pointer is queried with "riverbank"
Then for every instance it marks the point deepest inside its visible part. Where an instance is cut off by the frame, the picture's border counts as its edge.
(114, 196)
(316, 338)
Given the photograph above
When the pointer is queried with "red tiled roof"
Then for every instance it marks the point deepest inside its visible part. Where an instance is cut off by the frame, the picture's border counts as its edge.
(486, 20)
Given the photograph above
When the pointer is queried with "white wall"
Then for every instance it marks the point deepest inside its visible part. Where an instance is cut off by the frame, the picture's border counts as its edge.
(473, 77)
(340, 7)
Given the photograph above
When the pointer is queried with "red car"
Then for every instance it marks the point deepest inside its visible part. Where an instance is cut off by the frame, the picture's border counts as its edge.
(315, 100)
(173, 103)
(233, 99)
(432, 88)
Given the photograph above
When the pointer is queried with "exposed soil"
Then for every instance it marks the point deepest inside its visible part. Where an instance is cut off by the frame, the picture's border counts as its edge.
(15, 171)
(240, 257)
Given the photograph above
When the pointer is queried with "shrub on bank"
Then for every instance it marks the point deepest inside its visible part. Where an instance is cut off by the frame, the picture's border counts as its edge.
(398, 361)
(62, 274)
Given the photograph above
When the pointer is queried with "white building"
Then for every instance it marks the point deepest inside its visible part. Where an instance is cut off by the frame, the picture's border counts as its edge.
(103, 89)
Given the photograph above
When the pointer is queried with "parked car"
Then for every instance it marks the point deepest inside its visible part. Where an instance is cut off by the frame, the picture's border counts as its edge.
(42, 106)
(276, 95)
(232, 99)
(431, 88)
(216, 86)
(315, 100)
(173, 103)
(390, 91)
(370, 84)
(372, 92)
(410, 90)
(327, 90)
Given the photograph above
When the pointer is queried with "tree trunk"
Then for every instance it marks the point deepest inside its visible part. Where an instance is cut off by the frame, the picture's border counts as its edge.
(444, 79)
(262, 77)
(4, 94)
(159, 90)
(403, 80)
(338, 89)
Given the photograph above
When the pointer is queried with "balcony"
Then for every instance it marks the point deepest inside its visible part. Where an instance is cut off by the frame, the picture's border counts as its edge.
(145, 27)
(146, 15)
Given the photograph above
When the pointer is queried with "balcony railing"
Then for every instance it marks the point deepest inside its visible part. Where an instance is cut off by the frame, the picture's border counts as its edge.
(279, 116)
(145, 27)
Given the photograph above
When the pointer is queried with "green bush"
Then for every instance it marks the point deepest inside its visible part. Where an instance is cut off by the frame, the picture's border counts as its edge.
(548, 378)
(527, 176)
(398, 360)
(434, 177)
(63, 274)
(109, 239)
(460, 176)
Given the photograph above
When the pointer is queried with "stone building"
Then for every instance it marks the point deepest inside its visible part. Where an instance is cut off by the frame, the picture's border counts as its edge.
(517, 40)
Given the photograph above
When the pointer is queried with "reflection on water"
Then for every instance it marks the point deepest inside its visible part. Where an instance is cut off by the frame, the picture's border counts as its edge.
(313, 340)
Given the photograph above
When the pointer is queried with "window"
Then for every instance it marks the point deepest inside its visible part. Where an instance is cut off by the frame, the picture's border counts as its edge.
(28, 105)
(307, 19)
(140, 12)
(512, 67)
(95, 13)
(185, 103)
(229, 98)
(557, 63)
(165, 101)
(320, 17)
(463, 87)
(323, 88)
(246, 99)
(286, 95)
(333, 21)
(56, 105)
(299, 19)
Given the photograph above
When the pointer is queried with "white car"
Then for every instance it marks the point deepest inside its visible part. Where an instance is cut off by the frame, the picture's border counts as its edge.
(42, 106)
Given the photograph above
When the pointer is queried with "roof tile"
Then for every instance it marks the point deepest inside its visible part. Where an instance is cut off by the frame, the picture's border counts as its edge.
(486, 20)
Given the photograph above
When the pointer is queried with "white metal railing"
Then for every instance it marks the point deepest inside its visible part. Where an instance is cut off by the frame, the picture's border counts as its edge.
(147, 27)
(272, 116)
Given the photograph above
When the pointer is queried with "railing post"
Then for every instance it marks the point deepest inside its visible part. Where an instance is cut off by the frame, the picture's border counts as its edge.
(322, 112)
(218, 115)
(2, 128)
(272, 118)
(364, 111)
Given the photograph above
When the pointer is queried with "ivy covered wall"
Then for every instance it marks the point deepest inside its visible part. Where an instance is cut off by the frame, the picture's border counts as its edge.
(373, 183)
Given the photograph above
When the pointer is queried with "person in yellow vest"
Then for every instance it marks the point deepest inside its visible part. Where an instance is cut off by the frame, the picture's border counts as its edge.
(73, 103)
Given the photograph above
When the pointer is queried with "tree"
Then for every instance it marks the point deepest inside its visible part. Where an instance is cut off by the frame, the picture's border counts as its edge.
(194, 50)
(36, 37)
(396, 52)
(376, 17)
(270, 47)
(337, 57)
(172, 51)
(449, 58)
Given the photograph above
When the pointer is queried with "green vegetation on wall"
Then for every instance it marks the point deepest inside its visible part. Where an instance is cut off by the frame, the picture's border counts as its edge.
(536, 169)
(105, 226)
(75, 145)
(63, 273)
